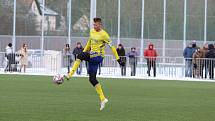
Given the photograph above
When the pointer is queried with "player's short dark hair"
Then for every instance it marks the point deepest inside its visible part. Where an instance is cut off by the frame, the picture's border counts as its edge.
(97, 19)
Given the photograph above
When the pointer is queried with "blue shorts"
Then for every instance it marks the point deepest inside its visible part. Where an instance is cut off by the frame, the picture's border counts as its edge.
(94, 64)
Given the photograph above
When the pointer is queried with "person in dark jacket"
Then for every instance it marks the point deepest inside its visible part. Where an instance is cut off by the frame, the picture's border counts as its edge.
(188, 55)
(150, 55)
(77, 50)
(133, 60)
(210, 62)
(121, 52)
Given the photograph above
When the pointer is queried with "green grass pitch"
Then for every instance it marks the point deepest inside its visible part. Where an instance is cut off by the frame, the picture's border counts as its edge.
(36, 98)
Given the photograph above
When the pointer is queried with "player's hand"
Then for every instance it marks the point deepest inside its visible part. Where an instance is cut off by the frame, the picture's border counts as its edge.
(121, 63)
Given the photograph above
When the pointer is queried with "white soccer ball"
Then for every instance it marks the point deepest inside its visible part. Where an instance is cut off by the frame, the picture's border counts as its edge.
(58, 79)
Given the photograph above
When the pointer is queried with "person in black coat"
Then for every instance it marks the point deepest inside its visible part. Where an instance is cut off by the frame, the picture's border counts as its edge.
(210, 60)
(121, 52)
(77, 50)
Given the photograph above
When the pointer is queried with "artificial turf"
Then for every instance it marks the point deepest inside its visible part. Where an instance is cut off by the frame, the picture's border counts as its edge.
(36, 98)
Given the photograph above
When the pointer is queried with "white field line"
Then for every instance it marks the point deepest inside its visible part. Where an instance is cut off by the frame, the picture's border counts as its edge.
(119, 77)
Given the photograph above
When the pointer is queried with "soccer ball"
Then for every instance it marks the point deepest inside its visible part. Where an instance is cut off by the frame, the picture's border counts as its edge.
(58, 79)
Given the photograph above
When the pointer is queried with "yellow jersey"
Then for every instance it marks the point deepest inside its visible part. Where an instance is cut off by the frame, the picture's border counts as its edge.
(97, 41)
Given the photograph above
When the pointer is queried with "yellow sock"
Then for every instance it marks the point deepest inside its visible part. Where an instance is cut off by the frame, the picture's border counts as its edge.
(74, 68)
(100, 92)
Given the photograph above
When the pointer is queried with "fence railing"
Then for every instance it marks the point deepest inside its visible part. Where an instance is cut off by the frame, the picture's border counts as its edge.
(42, 63)
(168, 67)
(52, 62)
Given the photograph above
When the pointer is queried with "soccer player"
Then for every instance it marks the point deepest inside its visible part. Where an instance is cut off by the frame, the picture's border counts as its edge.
(94, 52)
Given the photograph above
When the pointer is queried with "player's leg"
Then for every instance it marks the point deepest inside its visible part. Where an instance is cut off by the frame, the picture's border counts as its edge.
(93, 67)
(98, 89)
(96, 84)
(80, 57)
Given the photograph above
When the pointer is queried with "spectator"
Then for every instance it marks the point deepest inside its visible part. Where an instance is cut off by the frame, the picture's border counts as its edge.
(150, 55)
(210, 62)
(9, 49)
(121, 52)
(194, 45)
(204, 50)
(9, 57)
(68, 55)
(99, 68)
(188, 54)
(77, 50)
(197, 63)
(133, 60)
(24, 57)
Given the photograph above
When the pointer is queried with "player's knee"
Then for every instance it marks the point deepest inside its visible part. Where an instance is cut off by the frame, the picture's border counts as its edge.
(83, 56)
(92, 79)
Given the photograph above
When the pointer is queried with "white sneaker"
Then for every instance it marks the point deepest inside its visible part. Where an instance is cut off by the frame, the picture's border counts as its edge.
(102, 104)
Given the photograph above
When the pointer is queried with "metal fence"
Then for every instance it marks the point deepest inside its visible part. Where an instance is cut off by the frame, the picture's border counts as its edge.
(52, 62)
(44, 62)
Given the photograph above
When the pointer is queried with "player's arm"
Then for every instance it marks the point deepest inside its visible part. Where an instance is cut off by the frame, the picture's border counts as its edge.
(113, 49)
(116, 54)
(87, 47)
(109, 43)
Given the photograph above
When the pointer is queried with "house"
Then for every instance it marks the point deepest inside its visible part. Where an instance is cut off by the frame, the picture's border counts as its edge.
(35, 7)
(49, 16)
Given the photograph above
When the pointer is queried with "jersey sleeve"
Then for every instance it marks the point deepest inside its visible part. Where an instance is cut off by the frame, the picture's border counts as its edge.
(109, 42)
(87, 47)
(107, 39)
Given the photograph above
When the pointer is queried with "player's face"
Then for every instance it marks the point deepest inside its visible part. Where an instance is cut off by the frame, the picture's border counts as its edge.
(97, 26)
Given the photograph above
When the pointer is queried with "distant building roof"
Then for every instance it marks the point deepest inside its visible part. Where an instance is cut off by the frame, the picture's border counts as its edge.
(47, 11)
(26, 5)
